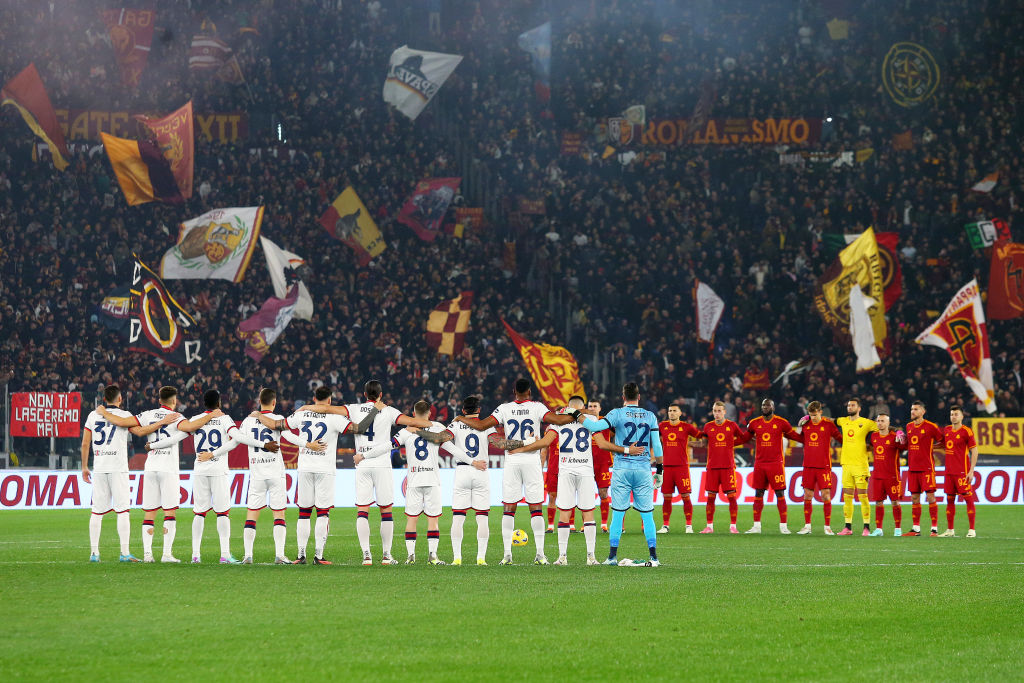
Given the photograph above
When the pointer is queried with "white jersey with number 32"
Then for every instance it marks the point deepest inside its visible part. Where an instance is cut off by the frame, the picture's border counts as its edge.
(316, 427)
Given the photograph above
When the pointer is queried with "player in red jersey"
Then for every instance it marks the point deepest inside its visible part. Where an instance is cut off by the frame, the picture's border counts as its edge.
(921, 438)
(961, 457)
(602, 465)
(767, 431)
(885, 473)
(723, 436)
(675, 436)
(816, 435)
(551, 488)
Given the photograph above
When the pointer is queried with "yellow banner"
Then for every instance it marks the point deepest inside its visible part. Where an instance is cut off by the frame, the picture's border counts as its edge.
(999, 435)
(348, 221)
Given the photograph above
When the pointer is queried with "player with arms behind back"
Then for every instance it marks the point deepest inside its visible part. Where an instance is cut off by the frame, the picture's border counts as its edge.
(816, 435)
(675, 435)
(472, 488)
(960, 443)
(720, 475)
(768, 432)
(885, 473)
(922, 435)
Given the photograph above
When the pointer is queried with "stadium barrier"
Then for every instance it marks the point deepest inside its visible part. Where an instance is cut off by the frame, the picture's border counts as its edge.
(49, 490)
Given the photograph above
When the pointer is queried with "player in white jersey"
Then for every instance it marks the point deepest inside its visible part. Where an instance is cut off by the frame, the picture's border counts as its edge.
(109, 476)
(576, 485)
(374, 478)
(522, 420)
(316, 468)
(472, 483)
(160, 481)
(267, 484)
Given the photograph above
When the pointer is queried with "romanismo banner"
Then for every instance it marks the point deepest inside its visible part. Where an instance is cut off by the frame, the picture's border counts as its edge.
(735, 132)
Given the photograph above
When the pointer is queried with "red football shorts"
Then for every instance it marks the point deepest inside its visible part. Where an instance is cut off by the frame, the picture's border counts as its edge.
(723, 480)
(920, 481)
(819, 478)
(880, 488)
(603, 479)
(676, 477)
(551, 482)
(769, 476)
(954, 485)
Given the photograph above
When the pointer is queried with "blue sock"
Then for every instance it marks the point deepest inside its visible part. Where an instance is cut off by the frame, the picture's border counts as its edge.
(615, 531)
(650, 531)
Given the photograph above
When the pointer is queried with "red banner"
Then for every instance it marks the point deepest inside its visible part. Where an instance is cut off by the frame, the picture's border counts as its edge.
(131, 32)
(40, 413)
(175, 135)
(892, 274)
(1006, 281)
(426, 208)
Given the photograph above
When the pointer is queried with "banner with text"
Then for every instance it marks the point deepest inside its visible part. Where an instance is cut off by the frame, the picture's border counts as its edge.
(999, 435)
(40, 413)
(87, 124)
(721, 131)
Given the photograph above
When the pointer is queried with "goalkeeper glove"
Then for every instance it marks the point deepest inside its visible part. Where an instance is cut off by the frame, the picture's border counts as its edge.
(803, 420)
(901, 437)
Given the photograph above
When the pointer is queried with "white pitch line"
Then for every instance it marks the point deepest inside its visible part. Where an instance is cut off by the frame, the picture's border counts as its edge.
(887, 564)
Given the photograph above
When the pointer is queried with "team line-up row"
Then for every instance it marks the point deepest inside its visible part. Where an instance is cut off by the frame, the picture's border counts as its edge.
(580, 443)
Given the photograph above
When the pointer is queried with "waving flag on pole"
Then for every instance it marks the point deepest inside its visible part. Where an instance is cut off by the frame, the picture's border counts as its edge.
(263, 328)
(709, 311)
(415, 76)
(218, 244)
(448, 323)
(131, 33)
(25, 92)
(283, 266)
(537, 42)
(348, 221)
(174, 134)
(553, 368)
(1006, 282)
(961, 330)
(142, 171)
(425, 209)
(158, 325)
(861, 332)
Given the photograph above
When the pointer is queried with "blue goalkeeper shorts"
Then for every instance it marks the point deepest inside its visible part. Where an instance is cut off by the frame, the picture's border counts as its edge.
(637, 482)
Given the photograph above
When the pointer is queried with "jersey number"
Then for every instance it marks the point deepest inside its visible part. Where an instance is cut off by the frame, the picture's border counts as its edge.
(214, 438)
(306, 429)
(523, 429)
(633, 429)
(582, 437)
(421, 452)
(473, 445)
(261, 435)
(103, 436)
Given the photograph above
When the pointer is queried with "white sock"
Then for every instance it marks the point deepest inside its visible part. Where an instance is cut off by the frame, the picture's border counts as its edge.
(170, 531)
(458, 522)
(147, 539)
(224, 531)
(124, 531)
(537, 524)
(280, 532)
(410, 543)
(323, 527)
(387, 535)
(363, 533)
(198, 523)
(508, 525)
(302, 535)
(563, 540)
(95, 526)
(432, 543)
(590, 536)
(483, 534)
(248, 539)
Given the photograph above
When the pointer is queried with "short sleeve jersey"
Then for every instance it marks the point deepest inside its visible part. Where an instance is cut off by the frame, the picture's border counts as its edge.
(262, 463)
(470, 440)
(886, 452)
(855, 440)
(673, 442)
(817, 440)
(521, 419)
(422, 457)
(921, 440)
(315, 427)
(210, 437)
(574, 448)
(722, 441)
(109, 442)
(161, 459)
(959, 443)
(378, 433)
(634, 426)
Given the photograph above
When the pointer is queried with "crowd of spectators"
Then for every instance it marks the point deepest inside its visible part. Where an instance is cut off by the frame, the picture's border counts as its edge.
(606, 270)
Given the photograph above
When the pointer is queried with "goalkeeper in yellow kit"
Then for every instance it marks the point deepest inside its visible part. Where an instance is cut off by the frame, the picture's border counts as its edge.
(854, 459)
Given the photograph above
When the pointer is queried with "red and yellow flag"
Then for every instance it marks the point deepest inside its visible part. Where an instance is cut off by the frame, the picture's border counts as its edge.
(1006, 281)
(131, 33)
(348, 221)
(448, 323)
(142, 171)
(553, 368)
(175, 134)
(25, 92)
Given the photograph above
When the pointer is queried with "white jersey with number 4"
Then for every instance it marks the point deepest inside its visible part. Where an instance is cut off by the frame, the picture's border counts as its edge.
(312, 426)
(521, 419)
(161, 459)
(379, 432)
(109, 442)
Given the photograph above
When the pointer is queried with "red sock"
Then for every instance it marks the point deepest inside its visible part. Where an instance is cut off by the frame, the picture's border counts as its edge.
(879, 515)
(758, 506)
(915, 513)
(783, 507)
(605, 503)
(710, 509)
(666, 510)
(897, 514)
(950, 513)
(551, 515)
(687, 510)
(933, 512)
(970, 511)
(828, 511)
(733, 509)
(807, 512)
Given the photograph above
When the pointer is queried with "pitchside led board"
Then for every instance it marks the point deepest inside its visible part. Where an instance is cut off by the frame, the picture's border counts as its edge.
(44, 414)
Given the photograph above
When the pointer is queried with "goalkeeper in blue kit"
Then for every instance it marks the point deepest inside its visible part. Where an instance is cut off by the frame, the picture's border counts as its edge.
(636, 428)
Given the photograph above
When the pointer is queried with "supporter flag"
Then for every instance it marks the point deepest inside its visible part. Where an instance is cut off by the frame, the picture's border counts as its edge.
(709, 311)
(1006, 282)
(888, 252)
(702, 110)
(231, 72)
(553, 369)
(537, 42)
(284, 273)
(987, 184)
(348, 221)
(793, 367)
(448, 323)
(217, 245)
(986, 233)
(415, 76)
(962, 331)
(142, 171)
(426, 208)
(861, 331)
(131, 32)
(208, 53)
(859, 263)
(263, 329)
(175, 136)
(25, 92)
(114, 310)
(158, 324)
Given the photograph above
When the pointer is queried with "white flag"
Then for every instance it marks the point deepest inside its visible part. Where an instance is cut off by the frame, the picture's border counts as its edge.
(415, 76)
(861, 331)
(709, 311)
(278, 261)
(218, 244)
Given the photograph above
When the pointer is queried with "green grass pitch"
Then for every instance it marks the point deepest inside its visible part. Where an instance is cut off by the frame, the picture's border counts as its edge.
(720, 607)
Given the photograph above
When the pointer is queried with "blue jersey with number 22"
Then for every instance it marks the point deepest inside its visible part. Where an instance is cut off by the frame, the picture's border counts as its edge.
(634, 426)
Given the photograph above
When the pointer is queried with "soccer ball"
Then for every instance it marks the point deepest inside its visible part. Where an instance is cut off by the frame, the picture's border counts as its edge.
(520, 537)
